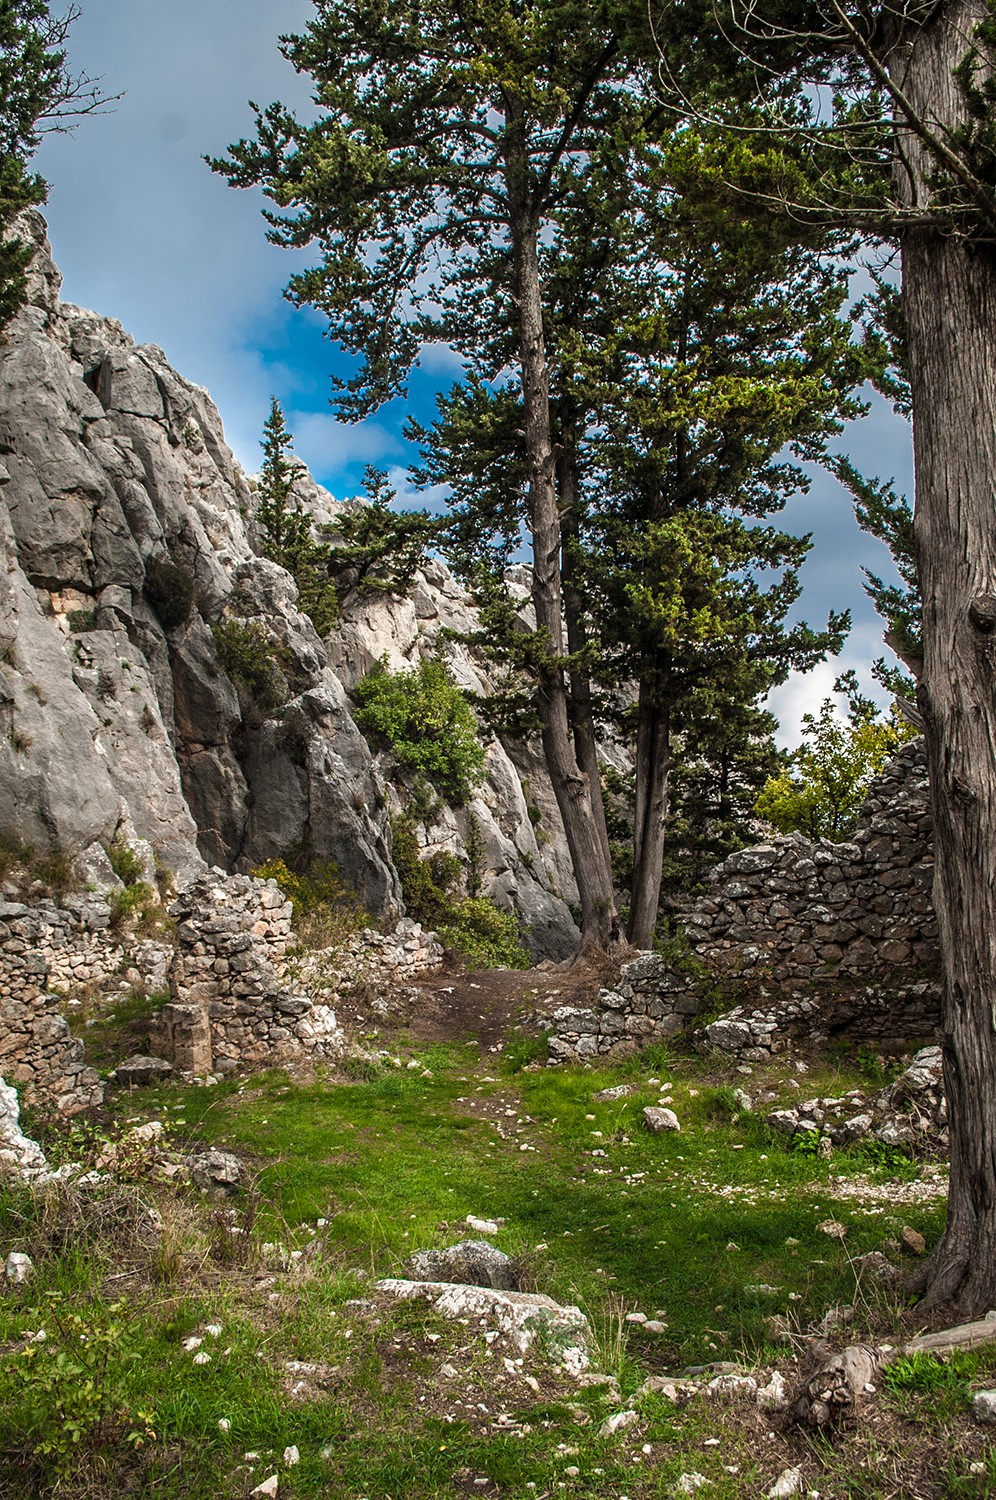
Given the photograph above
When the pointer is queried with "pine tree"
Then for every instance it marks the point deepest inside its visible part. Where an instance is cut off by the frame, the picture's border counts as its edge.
(285, 526)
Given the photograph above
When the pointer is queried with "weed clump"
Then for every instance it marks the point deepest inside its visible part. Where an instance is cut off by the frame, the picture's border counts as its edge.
(326, 911)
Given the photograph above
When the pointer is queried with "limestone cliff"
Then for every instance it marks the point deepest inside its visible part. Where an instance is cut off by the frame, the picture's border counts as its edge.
(117, 492)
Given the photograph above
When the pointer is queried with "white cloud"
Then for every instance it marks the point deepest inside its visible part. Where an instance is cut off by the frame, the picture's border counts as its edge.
(323, 443)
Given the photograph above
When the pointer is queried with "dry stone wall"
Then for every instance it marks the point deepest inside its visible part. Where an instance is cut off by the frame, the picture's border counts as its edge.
(793, 938)
(39, 947)
(795, 909)
(237, 1000)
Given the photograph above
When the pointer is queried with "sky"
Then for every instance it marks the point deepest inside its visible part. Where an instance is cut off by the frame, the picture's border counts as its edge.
(144, 232)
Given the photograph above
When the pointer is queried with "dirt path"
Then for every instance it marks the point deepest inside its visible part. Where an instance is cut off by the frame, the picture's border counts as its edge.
(487, 1005)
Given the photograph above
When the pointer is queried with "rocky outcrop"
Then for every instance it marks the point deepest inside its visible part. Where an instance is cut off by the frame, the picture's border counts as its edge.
(125, 548)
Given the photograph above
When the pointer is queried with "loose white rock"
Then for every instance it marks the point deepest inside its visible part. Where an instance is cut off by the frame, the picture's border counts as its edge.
(291, 1455)
(774, 1395)
(658, 1120)
(789, 1482)
(689, 1483)
(618, 1422)
(18, 1268)
(269, 1487)
(482, 1226)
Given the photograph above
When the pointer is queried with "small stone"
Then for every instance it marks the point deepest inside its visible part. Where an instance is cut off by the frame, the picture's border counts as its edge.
(18, 1268)
(618, 1422)
(658, 1120)
(984, 1406)
(269, 1487)
(689, 1483)
(789, 1482)
(914, 1240)
(833, 1229)
(482, 1226)
(291, 1456)
(202, 1358)
(224, 1425)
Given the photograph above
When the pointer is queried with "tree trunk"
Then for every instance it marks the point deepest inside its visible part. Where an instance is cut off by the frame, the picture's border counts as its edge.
(581, 706)
(949, 290)
(653, 764)
(592, 871)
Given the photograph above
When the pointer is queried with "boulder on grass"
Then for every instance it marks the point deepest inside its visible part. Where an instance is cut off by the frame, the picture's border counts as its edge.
(470, 1263)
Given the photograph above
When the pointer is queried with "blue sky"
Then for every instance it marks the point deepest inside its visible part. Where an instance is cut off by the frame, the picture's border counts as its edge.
(143, 231)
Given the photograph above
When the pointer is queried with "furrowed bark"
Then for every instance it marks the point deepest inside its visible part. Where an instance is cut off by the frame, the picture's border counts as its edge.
(653, 764)
(579, 682)
(949, 291)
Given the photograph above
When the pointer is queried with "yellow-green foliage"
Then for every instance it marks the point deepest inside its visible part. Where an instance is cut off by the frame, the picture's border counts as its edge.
(823, 792)
(325, 909)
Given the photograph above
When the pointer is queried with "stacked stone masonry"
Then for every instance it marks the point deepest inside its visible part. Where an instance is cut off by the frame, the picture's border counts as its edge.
(811, 938)
(239, 999)
(42, 947)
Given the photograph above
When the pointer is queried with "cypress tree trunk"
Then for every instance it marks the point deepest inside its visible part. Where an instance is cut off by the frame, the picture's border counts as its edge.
(581, 705)
(592, 870)
(949, 290)
(653, 764)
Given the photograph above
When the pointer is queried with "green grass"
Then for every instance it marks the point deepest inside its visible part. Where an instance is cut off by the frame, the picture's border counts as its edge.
(688, 1227)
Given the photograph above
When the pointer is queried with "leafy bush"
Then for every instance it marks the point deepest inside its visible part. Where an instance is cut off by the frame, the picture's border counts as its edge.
(822, 794)
(76, 1383)
(482, 934)
(485, 936)
(249, 658)
(170, 590)
(427, 722)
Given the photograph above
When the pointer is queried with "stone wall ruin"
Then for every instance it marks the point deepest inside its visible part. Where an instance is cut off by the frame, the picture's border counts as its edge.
(793, 938)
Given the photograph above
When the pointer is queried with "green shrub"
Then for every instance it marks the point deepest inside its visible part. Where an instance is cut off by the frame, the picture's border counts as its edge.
(250, 659)
(427, 723)
(485, 936)
(170, 590)
(137, 902)
(481, 934)
(75, 1382)
(425, 898)
(81, 620)
(325, 909)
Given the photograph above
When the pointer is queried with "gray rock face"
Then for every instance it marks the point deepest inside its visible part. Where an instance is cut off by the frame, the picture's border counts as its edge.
(116, 708)
(471, 1263)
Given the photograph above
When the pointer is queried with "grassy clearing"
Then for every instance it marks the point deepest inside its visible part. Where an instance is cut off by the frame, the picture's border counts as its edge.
(714, 1231)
